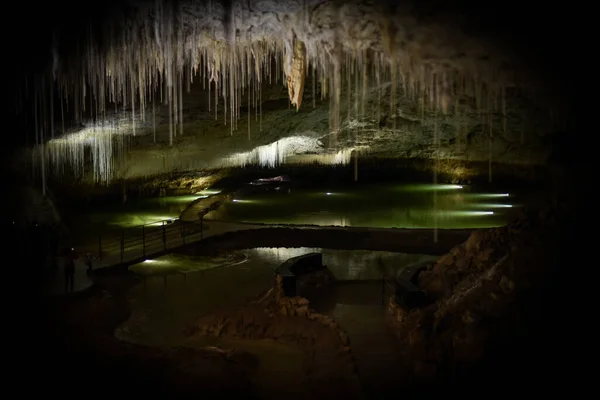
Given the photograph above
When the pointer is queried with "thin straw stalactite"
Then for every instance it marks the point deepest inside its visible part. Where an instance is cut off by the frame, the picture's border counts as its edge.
(148, 56)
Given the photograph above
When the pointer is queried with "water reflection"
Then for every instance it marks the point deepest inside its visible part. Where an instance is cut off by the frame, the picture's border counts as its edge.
(142, 211)
(345, 264)
(386, 206)
(178, 288)
(182, 263)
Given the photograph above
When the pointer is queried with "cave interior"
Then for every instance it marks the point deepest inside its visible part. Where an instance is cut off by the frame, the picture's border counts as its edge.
(121, 103)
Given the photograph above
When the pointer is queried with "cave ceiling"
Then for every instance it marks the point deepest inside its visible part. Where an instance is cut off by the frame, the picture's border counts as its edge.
(189, 80)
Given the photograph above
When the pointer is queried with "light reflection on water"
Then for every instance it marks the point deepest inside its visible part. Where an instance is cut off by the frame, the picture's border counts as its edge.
(385, 206)
(142, 211)
(345, 264)
(164, 305)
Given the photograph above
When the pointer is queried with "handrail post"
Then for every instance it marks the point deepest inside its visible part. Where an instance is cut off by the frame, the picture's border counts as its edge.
(143, 240)
(99, 247)
(122, 244)
(164, 235)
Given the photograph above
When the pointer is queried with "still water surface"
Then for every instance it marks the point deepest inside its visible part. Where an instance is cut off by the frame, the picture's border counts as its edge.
(382, 206)
(377, 205)
(180, 288)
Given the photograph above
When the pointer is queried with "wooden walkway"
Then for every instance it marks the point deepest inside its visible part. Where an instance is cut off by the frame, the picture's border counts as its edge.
(134, 245)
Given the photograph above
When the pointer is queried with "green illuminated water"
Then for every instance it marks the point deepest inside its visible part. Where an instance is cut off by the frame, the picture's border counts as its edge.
(381, 205)
(139, 212)
(86, 224)
(384, 206)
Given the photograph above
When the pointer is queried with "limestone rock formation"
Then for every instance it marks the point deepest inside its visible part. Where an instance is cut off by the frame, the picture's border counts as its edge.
(329, 364)
(472, 292)
(161, 87)
(296, 72)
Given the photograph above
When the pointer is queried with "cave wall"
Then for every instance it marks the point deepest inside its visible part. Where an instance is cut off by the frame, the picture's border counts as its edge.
(369, 123)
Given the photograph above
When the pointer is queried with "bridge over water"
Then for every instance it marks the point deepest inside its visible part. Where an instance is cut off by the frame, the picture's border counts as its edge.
(134, 245)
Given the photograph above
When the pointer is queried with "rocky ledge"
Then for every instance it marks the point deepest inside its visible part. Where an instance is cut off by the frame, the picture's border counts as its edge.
(478, 296)
(329, 368)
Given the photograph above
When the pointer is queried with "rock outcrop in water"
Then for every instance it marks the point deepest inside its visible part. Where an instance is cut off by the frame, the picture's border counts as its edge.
(476, 296)
(330, 367)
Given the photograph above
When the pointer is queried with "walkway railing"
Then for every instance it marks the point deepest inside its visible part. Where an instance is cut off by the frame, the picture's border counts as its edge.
(145, 240)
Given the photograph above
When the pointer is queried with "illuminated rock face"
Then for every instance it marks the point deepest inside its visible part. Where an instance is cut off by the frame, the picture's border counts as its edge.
(296, 73)
(381, 77)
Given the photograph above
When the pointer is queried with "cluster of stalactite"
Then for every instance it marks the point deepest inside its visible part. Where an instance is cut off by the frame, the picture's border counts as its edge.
(154, 56)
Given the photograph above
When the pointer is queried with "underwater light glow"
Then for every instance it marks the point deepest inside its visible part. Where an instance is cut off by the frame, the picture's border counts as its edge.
(493, 205)
(165, 220)
(157, 262)
(464, 213)
(208, 192)
(488, 195)
(428, 187)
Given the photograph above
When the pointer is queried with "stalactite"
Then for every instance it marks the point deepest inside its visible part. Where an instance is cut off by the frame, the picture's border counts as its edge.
(260, 107)
(336, 98)
(355, 166)
(249, 112)
(296, 72)
(314, 87)
(365, 86)
(393, 70)
(348, 84)
(51, 110)
(157, 51)
(153, 118)
(490, 143)
(180, 108)
(378, 83)
(435, 175)
(170, 108)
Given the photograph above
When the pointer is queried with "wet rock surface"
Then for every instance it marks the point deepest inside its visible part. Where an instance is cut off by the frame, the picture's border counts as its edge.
(329, 366)
(483, 295)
